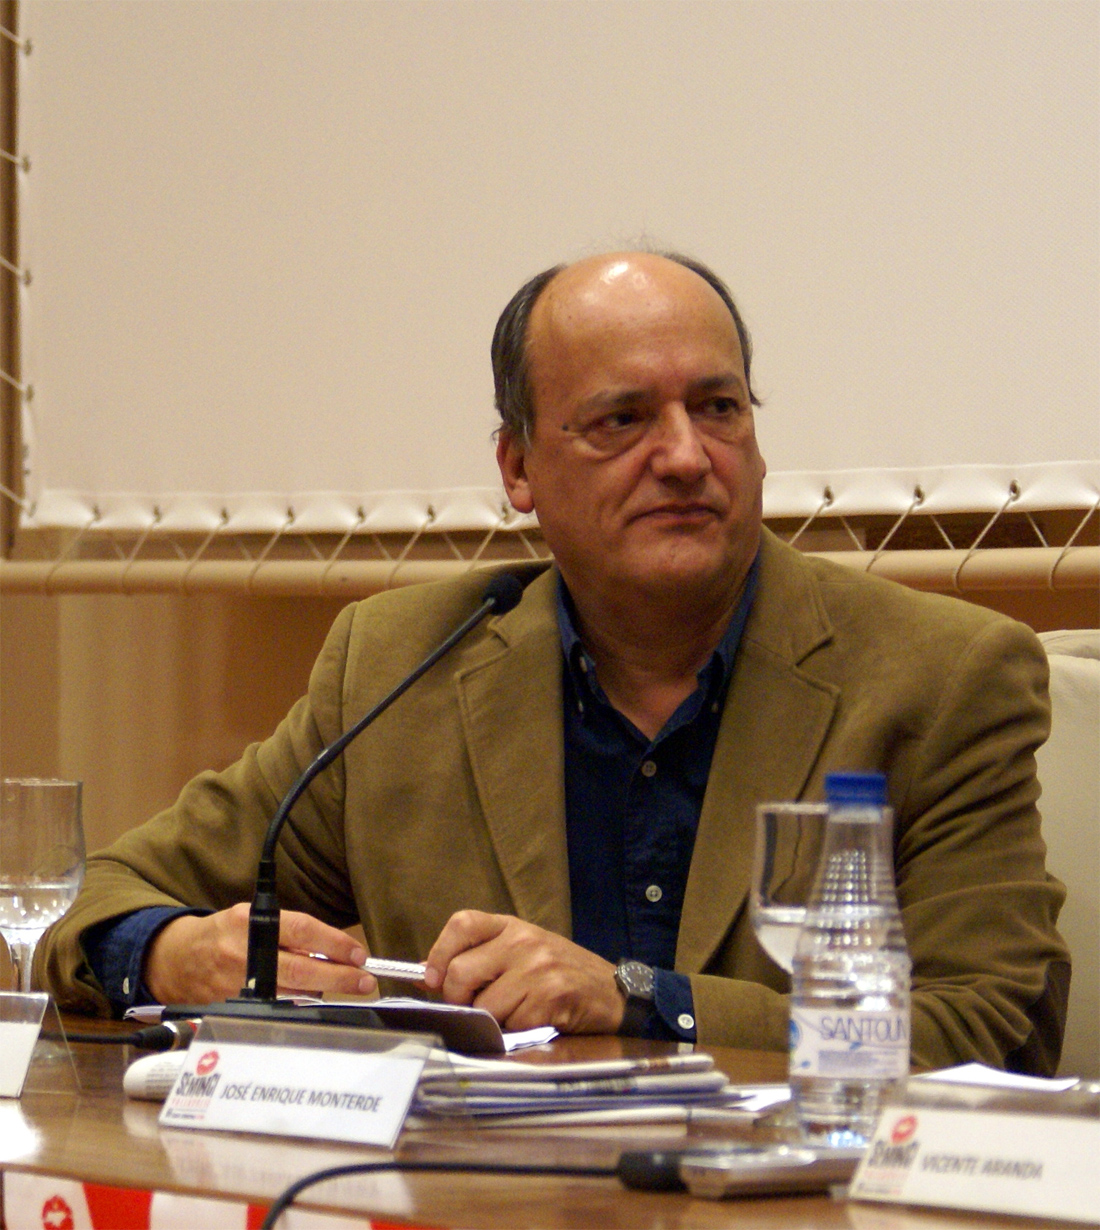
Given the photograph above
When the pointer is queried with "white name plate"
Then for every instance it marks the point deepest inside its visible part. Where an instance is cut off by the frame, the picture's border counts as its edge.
(349, 1095)
(20, 1024)
(1042, 1165)
(17, 1039)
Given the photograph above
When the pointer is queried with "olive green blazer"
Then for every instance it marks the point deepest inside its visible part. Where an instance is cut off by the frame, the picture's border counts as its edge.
(455, 798)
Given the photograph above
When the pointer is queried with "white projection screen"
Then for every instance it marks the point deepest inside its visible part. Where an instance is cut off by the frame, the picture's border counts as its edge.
(269, 241)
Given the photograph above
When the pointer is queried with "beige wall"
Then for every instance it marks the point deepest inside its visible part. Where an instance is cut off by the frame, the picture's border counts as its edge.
(903, 197)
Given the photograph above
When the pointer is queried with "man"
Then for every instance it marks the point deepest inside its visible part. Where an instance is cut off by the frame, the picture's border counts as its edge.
(576, 783)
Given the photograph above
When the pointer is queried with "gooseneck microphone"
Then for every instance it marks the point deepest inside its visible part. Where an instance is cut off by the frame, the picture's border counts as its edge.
(502, 593)
(259, 993)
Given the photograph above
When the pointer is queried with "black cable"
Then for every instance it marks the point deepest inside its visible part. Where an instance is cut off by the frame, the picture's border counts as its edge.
(287, 1197)
(169, 1036)
(100, 1039)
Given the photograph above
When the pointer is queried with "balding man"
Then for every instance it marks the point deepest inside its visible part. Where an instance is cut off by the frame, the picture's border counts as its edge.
(559, 819)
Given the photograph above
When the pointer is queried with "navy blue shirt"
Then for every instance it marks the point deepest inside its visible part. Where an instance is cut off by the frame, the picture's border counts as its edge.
(631, 812)
(631, 807)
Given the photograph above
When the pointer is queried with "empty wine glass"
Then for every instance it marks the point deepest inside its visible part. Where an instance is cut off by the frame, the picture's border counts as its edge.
(789, 838)
(41, 862)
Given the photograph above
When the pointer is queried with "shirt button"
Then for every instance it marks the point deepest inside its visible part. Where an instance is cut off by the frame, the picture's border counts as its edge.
(653, 893)
(126, 986)
(685, 1020)
(648, 768)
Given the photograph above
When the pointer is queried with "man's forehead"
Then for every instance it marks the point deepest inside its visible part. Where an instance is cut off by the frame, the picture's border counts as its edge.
(619, 277)
(599, 299)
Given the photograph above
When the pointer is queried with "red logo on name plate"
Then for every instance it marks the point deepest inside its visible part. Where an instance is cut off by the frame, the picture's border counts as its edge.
(56, 1215)
(207, 1063)
(903, 1130)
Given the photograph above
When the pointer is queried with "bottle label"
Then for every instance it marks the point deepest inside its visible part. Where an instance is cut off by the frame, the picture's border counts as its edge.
(849, 1044)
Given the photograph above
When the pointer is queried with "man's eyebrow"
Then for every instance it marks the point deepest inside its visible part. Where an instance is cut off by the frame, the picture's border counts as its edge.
(608, 399)
(723, 380)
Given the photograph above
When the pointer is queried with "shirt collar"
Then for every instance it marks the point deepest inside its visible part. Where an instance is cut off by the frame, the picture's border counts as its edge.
(714, 673)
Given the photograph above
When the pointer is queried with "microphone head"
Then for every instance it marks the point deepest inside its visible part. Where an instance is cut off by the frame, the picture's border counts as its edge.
(504, 591)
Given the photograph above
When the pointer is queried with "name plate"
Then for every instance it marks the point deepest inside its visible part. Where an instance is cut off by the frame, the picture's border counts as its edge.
(297, 1080)
(997, 1161)
(20, 1024)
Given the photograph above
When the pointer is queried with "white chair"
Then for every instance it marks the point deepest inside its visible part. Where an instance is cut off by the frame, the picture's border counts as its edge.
(1069, 770)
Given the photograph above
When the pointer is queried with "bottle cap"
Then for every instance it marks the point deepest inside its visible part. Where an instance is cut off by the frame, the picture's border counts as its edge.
(866, 789)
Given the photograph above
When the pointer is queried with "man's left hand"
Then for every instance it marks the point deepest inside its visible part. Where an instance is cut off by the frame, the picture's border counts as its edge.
(523, 975)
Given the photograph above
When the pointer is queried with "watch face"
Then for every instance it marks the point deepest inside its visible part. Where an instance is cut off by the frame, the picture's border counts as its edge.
(635, 979)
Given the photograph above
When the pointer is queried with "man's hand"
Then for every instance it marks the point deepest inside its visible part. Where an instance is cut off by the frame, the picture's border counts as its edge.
(196, 960)
(523, 975)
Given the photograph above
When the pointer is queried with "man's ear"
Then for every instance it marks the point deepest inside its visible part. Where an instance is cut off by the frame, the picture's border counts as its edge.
(512, 460)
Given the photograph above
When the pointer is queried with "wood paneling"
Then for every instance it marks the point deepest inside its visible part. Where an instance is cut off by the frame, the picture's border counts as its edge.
(137, 694)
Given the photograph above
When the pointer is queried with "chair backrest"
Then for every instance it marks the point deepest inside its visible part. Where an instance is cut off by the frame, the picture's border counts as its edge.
(1069, 769)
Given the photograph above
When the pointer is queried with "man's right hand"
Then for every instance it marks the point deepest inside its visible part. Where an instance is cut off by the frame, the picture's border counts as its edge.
(196, 960)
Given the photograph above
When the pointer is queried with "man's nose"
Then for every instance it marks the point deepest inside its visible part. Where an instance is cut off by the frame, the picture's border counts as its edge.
(678, 450)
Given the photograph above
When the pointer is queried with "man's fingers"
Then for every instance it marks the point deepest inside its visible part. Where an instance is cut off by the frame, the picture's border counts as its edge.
(305, 934)
(300, 974)
(501, 970)
(304, 939)
(465, 930)
(201, 959)
(508, 998)
(525, 976)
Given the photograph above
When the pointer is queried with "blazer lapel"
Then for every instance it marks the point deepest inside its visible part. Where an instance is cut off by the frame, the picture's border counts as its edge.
(775, 720)
(510, 699)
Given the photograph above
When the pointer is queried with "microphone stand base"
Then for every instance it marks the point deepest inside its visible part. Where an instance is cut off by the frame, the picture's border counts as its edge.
(351, 1016)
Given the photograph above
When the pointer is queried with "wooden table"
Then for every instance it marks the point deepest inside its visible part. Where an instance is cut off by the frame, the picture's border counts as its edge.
(99, 1137)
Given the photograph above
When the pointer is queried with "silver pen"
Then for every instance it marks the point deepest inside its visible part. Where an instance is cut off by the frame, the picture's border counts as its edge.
(407, 971)
(380, 967)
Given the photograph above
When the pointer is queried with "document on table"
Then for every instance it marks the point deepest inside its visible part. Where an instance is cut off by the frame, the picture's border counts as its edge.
(668, 1088)
(979, 1074)
(462, 1029)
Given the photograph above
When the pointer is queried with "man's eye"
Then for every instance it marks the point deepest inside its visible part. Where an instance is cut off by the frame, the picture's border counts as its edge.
(614, 425)
(719, 408)
(620, 420)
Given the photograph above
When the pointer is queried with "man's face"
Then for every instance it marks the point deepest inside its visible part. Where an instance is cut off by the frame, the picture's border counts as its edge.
(643, 466)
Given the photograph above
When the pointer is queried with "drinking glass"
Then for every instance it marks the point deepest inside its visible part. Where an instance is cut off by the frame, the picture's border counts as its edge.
(41, 862)
(789, 837)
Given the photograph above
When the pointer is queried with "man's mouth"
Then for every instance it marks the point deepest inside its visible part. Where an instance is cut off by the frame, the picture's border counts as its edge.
(679, 512)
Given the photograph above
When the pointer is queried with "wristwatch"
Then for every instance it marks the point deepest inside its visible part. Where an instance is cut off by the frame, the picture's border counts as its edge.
(635, 982)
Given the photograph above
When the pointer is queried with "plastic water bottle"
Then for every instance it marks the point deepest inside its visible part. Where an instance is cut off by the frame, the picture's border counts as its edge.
(850, 986)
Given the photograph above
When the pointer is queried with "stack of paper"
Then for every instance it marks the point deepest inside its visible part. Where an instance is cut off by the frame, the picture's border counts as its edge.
(671, 1088)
